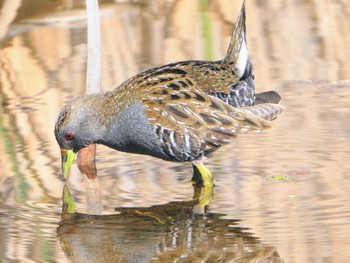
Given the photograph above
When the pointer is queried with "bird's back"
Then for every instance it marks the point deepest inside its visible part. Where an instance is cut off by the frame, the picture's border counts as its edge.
(191, 106)
(230, 79)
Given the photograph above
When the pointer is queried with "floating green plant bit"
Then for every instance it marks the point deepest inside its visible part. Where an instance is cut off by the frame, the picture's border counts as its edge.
(281, 178)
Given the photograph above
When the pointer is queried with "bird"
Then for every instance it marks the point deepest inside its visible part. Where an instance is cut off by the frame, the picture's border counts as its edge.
(180, 112)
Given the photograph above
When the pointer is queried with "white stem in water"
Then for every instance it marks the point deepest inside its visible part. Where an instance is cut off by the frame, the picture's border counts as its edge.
(8, 13)
(93, 74)
(93, 85)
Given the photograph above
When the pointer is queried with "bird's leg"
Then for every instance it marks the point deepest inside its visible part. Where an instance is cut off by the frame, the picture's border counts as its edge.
(201, 175)
(203, 187)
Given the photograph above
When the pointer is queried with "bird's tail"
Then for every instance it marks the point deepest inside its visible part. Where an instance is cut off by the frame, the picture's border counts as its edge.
(265, 111)
(237, 54)
(270, 96)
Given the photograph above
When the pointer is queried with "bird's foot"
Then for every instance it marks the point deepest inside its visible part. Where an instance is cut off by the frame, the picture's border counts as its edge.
(201, 176)
(203, 183)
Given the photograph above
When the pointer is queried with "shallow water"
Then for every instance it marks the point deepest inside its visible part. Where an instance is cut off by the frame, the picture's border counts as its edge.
(280, 196)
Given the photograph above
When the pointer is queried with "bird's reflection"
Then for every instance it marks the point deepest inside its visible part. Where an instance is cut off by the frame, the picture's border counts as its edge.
(162, 233)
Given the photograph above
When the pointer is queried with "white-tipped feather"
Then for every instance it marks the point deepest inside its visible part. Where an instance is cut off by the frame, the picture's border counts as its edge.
(242, 59)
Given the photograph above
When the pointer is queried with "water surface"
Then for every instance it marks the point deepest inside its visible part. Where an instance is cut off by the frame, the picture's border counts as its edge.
(282, 195)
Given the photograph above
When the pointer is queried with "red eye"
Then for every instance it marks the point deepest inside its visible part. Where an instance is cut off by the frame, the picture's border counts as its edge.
(69, 136)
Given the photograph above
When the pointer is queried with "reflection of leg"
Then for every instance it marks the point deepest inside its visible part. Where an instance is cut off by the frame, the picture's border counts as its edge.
(203, 196)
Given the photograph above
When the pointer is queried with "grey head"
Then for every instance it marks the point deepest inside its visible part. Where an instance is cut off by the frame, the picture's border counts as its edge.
(79, 123)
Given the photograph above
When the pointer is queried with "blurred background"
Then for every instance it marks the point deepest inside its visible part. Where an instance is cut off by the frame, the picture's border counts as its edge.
(289, 185)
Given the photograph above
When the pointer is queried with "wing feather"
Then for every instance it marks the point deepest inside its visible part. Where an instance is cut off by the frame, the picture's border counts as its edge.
(191, 123)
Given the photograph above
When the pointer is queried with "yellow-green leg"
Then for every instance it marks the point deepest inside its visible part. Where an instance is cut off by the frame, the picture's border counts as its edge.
(203, 185)
(201, 175)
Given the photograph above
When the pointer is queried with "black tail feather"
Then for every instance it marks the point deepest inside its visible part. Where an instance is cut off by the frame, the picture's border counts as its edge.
(267, 97)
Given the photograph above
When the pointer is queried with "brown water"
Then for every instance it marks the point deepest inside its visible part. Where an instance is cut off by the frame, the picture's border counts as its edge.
(283, 195)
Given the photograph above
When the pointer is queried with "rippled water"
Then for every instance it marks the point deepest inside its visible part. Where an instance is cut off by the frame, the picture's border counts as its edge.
(280, 196)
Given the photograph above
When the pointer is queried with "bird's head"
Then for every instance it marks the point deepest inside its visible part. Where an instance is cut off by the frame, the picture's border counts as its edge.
(76, 128)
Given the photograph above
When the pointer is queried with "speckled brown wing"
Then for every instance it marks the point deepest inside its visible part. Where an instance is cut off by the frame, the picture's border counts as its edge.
(188, 122)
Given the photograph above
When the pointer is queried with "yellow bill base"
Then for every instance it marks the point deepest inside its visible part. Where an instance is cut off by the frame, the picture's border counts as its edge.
(67, 160)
